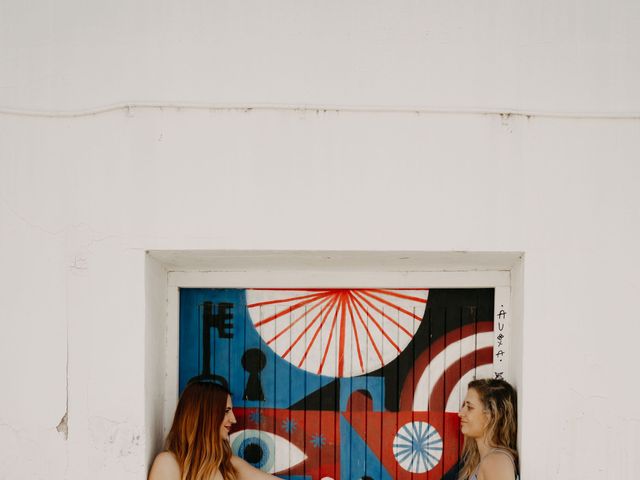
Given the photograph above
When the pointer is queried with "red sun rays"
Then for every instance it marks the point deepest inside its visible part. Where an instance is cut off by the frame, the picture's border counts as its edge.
(316, 329)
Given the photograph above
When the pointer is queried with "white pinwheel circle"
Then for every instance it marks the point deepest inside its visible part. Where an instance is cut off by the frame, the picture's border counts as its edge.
(417, 447)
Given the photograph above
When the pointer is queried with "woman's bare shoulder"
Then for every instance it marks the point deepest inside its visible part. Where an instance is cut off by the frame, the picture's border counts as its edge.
(497, 465)
(165, 467)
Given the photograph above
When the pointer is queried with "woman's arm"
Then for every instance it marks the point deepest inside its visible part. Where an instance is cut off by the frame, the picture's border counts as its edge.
(248, 472)
(165, 467)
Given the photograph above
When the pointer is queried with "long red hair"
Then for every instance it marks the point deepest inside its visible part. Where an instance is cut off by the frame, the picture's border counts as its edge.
(195, 438)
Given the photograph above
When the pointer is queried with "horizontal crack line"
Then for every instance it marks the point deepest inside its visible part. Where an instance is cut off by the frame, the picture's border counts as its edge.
(130, 107)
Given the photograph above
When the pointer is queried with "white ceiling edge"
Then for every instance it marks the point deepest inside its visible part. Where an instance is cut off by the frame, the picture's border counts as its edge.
(333, 260)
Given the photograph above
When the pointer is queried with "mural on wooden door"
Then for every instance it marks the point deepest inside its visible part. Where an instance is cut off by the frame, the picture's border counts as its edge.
(341, 383)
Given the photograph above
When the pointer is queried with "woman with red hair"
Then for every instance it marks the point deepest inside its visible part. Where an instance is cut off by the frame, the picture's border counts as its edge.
(197, 447)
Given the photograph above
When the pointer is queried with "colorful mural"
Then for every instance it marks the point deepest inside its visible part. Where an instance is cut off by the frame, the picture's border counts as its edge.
(341, 383)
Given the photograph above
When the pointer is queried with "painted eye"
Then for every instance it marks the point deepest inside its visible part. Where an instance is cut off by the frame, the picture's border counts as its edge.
(259, 448)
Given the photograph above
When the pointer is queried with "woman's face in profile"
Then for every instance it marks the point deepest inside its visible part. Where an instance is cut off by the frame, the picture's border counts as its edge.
(228, 420)
(473, 418)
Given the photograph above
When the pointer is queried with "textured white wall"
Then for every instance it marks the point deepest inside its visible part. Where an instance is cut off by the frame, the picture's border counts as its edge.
(543, 55)
(82, 198)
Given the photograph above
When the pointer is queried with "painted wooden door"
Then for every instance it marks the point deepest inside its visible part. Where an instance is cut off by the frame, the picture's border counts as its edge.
(341, 383)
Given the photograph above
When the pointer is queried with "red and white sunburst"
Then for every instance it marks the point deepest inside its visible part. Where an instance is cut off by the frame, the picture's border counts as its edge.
(337, 332)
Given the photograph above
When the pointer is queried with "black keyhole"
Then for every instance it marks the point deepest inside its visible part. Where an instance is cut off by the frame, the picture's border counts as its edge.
(254, 361)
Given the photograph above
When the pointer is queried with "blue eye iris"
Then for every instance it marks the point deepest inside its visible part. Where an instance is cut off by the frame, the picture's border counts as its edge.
(256, 452)
(259, 448)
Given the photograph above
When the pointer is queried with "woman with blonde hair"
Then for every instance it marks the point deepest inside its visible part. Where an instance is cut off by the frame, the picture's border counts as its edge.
(488, 421)
(197, 446)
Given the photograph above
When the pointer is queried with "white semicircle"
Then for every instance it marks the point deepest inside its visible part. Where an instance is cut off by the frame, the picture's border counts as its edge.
(337, 332)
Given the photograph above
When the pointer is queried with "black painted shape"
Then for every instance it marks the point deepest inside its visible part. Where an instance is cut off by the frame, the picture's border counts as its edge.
(254, 361)
(453, 472)
(447, 309)
(218, 321)
(326, 398)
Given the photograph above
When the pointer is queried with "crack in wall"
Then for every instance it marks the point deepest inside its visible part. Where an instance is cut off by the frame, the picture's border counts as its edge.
(63, 426)
(131, 107)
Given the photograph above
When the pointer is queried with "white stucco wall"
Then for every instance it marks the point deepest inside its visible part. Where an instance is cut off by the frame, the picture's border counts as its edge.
(82, 198)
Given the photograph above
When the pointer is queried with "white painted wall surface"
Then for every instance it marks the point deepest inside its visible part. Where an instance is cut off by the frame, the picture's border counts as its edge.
(82, 198)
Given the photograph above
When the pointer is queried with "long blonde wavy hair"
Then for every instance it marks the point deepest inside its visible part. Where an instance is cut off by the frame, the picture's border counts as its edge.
(499, 400)
(195, 438)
